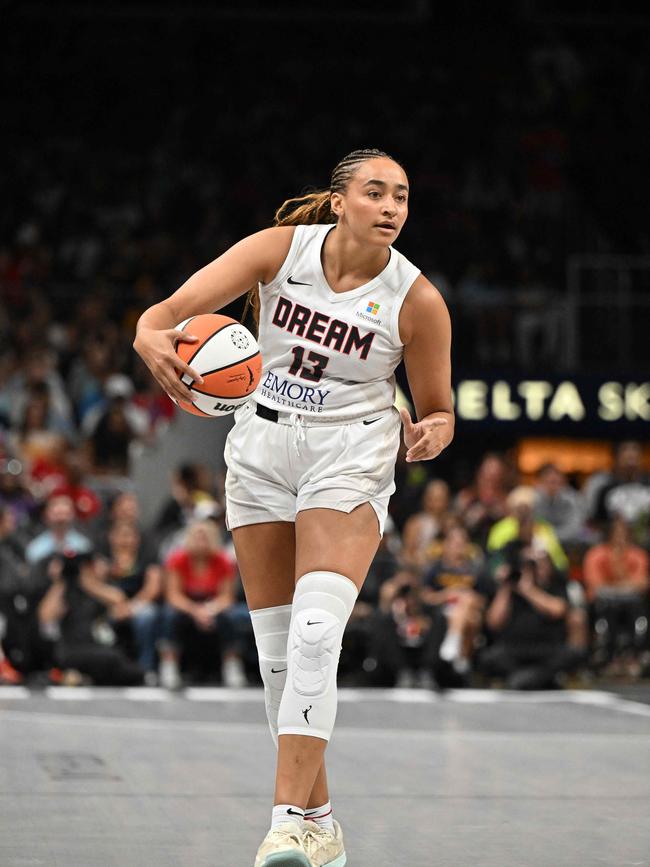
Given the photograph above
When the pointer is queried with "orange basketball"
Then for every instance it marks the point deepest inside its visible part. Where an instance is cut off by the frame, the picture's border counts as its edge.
(228, 358)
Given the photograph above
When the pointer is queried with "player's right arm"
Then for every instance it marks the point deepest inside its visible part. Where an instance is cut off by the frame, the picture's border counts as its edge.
(255, 259)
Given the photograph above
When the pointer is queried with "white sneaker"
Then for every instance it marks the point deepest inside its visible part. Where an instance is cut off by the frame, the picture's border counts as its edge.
(325, 849)
(283, 847)
(169, 675)
(461, 665)
(232, 672)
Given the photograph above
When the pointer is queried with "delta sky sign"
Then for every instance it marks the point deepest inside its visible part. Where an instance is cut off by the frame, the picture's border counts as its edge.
(581, 404)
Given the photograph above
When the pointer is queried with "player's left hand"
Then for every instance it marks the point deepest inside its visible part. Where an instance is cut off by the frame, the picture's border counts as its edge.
(424, 439)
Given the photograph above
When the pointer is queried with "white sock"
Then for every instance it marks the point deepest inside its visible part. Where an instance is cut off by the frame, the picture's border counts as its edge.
(450, 647)
(323, 816)
(283, 813)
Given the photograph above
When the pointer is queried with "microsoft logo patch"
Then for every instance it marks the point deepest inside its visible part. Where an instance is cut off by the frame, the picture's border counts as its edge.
(372, 308)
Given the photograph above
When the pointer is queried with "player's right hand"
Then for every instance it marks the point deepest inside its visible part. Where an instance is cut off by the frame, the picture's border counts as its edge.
(157, 348)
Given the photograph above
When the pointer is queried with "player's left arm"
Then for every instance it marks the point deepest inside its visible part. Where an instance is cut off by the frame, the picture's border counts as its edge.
(425, 330)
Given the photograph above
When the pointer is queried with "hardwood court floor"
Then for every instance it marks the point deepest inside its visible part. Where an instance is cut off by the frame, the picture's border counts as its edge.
(139, 778)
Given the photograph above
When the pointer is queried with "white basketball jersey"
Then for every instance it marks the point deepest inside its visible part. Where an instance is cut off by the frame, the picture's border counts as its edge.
(330, 355)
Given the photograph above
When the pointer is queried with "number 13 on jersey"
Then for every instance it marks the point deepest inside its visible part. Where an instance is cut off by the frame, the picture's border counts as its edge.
(318, 362)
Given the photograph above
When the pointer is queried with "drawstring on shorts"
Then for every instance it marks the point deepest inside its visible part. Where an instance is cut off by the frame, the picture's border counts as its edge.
(298, 427)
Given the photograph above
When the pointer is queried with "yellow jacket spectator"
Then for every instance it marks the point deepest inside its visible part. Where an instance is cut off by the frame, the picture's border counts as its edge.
(520, 505)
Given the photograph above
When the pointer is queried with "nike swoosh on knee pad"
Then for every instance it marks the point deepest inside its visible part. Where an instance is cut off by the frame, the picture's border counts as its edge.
(314, 652)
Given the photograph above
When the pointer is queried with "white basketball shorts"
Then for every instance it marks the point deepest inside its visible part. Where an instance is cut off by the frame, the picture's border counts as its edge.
(279, 468)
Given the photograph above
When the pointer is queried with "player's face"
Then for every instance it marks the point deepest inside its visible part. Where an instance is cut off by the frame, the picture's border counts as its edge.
(375, 204)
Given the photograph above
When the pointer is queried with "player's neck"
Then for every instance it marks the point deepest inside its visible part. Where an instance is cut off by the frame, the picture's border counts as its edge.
(343, 256)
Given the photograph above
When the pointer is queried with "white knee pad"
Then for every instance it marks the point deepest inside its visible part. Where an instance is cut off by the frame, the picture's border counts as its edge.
(322, 605)
(271, 628)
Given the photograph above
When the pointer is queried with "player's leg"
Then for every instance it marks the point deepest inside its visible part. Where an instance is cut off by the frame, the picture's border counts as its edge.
(266, 560)
(333, 553)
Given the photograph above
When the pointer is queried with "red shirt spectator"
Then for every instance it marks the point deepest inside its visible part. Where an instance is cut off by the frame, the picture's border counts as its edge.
(617, 564)
(202, 573)
(200, 576)
(200, 580)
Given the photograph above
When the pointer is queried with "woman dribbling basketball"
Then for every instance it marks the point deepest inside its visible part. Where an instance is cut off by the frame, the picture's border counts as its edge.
(311, 456)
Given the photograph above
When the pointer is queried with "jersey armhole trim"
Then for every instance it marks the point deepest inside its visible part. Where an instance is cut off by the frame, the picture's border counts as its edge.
(287, 265)
(397, 306)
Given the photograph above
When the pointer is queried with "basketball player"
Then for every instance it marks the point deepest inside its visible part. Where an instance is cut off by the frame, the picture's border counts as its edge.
(311, 456)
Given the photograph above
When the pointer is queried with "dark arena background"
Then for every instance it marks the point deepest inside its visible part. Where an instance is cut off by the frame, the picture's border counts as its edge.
(140, 140)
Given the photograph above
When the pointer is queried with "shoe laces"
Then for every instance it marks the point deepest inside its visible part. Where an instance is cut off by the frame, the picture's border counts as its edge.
(277, 835)
(314, 837)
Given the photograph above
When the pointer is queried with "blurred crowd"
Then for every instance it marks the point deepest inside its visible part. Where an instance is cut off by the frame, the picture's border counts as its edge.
(519, 151)
(527, 583)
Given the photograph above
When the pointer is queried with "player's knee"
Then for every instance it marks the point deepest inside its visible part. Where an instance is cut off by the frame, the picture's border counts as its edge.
(322, 604)
(271, 630)
(315, 643)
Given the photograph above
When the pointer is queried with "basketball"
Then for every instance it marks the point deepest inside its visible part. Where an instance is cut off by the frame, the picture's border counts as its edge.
(228, 359)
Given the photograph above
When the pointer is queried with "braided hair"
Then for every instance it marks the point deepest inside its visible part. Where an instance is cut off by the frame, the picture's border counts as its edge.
(314, 207)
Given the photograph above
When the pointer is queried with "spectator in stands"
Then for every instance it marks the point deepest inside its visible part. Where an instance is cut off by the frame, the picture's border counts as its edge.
(88, 372)
(187, 489)
(527, 619)
(134, 609)
(356, 639)
(521, 519)
(454, 585)
(40, 444)
(617, 579)
(37, 414)
(122, 506)
(616, 565)
(14, 494)
(484, 502)
(12, 549)
(385, 564)
(72, 615)
(60, 535)
(427, 524)
(625, 493)
(9, 676)
(116, 425)
(37, 381)
(559, 504)
(401, 636)
(73, 485)
(117, 388)
(13, 580)
(125, 507)
(209, 624)
(191, 500)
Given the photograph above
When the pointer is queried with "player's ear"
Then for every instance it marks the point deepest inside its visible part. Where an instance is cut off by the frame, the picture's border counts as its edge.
(336, 204)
